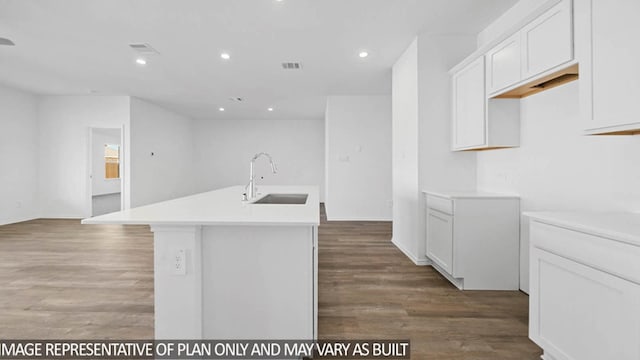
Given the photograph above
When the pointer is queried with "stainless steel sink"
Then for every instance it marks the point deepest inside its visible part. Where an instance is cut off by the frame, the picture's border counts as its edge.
(283, 199)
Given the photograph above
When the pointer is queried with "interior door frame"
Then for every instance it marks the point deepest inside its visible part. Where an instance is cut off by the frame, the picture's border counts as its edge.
(90, 165)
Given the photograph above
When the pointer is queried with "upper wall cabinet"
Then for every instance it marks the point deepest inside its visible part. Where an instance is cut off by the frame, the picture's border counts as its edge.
(547, 41)
(537, 57)
(480, 123)
(503, 64)
(469, 106)
(608, 48)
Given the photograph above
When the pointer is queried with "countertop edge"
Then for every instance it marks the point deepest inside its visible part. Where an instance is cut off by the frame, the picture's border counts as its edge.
(199, 223)
(552, 218)
(221, 207)
(471, 195)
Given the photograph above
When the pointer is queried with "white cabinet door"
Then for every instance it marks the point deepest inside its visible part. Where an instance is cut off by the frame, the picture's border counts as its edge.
(440, 239)
(503, 64)
(469, 102)
(547, 41)
(608, 50)
(579, 313)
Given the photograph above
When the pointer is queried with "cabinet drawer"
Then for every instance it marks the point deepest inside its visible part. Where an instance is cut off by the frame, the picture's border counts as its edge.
(614, 257)
(441, 204)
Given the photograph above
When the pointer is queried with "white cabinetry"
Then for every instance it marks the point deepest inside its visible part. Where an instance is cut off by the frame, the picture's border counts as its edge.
(503, 64)
(478, 122)
(473, 239)
(469, 103)
(537, 57)
(608, 50)
(585, 285)
(547, 41)
(440, 249)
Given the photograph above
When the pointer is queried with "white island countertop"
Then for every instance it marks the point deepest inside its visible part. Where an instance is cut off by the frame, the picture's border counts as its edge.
(619, 226)
(222, 207)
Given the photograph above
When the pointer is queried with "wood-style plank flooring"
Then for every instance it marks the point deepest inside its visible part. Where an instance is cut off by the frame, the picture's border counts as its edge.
(63, 280)
(368, 289)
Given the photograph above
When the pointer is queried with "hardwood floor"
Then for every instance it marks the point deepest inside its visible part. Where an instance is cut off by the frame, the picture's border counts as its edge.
(63, 280)
(368, 289)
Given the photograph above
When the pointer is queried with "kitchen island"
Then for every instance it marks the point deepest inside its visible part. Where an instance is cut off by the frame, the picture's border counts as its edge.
(227, 269)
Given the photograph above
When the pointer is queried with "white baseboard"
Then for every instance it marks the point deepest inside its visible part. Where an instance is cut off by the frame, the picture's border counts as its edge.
(63, 217)
(331, 218)
(407, 253)
(17, 220)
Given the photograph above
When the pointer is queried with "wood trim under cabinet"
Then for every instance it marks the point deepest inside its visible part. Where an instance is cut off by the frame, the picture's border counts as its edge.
(550, 81)
(625, 132)
(488, 148)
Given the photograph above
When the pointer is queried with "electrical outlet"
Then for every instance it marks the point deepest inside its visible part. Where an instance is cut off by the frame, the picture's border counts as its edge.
(179, 262)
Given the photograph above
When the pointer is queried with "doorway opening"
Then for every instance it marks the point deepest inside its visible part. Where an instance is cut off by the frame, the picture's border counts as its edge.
(106, 170)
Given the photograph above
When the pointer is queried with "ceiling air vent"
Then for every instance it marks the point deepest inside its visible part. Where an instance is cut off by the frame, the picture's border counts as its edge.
(291, 65)
(143, 48)
(5, 41)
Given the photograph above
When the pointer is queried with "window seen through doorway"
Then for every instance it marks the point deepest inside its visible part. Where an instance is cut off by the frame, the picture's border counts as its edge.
(111, 161)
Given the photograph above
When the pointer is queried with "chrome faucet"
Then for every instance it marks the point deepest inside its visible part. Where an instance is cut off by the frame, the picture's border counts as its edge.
(251, 192)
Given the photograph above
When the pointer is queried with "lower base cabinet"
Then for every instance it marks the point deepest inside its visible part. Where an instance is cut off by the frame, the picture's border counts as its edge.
(584, 294)
(473, 239)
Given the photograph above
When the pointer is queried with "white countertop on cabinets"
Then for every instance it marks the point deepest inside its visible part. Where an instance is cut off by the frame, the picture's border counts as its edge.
(469, 194)
(619, 226)
(221, 207)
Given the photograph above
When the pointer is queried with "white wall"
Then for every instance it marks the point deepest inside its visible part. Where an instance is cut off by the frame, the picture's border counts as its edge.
(161, 165)
(225, 147)
(18, 156)
(406, 192)
(358, 158)
(63, 127)
(439, 168)
(422, 157)
(556, 168)
(104, 204)
(509, 19)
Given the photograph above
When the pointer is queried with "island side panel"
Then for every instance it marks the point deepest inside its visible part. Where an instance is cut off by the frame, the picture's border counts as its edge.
(259, 282)
(314, 230)
(178, 294)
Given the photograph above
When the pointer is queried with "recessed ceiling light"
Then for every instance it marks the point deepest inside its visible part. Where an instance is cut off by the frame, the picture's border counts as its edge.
(363, 54)
(141, 61)
(225, 56)
(221, 109)
(270, 109)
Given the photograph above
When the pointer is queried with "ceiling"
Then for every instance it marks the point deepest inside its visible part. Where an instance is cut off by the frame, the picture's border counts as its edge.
(81, 47)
